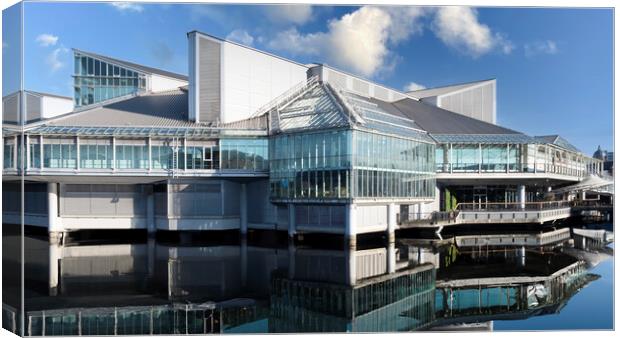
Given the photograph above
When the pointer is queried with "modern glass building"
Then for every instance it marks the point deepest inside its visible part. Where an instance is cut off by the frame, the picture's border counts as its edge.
(293, 147)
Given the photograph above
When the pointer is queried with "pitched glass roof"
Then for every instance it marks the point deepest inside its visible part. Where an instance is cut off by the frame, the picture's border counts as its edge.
(382, 117)
(314, 109)
(484, 138)
(143, 131)
(558, 141)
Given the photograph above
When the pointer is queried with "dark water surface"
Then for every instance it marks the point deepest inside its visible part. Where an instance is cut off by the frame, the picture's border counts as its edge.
(204, 286)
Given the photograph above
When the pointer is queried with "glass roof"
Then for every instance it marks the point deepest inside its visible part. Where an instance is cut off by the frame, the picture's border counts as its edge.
(484, 138)
(313, 110)
(142, 131)
(377, 118)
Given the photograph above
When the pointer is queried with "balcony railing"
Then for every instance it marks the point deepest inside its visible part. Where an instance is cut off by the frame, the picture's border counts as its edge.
(509, 168)
(430, 218)
(513, 206)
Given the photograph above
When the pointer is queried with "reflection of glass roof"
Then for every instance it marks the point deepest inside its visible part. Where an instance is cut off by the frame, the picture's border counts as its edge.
(484, 138)
(141, 131)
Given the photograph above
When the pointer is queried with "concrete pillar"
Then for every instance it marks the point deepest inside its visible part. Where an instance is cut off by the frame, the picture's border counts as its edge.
(521, 192)
(244, 261)
(55, 228)
(151, 251)
(351, 265)
(350, 231)
(521, 256)
(291, 220)
(150, 214)
(291, 259)
(391, 257)
(54, 258)
(391, 222)
(243, 210)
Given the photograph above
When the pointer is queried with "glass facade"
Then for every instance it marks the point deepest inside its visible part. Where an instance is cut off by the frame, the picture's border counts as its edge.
(350, 164)
(391, 167)
(244, 154)
(96, 80)
(59, 153)
(311, 166)
(478, 157)
(8, 159)
(203, 157)
(132, 157)
(95, 156)
(486, 158)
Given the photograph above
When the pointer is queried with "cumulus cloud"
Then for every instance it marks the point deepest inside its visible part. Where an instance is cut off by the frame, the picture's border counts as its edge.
(46, 40)
(128, 6)
(359, 41)
(241, 36)
(53, 59)
(412, 86)
(459, 28)
(540, 47)
(285, 14)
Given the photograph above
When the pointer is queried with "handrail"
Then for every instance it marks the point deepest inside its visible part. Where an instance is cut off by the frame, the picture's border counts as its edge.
(512, 206)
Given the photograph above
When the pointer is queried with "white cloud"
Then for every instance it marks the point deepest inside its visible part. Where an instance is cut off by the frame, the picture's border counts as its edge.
(412, 86)
(46, 40)
(241, 36)
(53, 59)
(459, 28)
(540, 47)
(295, 14)
(359, 41)
(128, 6)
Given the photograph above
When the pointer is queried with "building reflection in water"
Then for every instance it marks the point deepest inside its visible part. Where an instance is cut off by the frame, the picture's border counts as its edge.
(163, 288)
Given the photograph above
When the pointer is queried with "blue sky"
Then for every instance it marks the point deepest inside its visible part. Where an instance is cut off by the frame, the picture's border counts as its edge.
(553, 66)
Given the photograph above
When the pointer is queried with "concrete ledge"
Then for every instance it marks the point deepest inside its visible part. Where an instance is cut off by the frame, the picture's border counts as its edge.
(183, 224)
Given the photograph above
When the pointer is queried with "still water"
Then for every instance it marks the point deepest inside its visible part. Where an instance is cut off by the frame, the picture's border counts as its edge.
(253, 286)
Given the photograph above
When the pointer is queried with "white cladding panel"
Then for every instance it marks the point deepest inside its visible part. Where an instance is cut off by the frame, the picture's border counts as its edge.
(250, 79)
(355, 84)
(371, 216)
(477, 102)
(55, 106)
(164, 83)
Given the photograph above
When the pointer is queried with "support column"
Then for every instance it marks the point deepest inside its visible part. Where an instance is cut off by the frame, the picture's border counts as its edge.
(244, 261)
(391, 257)
(291, 220)
(54, 258)
(243, 210)
(150, 213)
(521, 192)
(391, 222)
(351, 265)
(350, 231)
(55, 228)
(291, 259)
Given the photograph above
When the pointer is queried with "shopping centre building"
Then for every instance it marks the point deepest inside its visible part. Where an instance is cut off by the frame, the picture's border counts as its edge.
(250, 140)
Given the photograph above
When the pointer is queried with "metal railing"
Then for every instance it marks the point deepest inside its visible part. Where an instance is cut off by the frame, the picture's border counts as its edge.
(509, 167)
(430, 218)
(513, 206)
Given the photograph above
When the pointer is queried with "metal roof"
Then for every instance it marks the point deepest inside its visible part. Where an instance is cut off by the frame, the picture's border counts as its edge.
(558, 141)
(164, 109)
(436, 120)
(437, 91)
(154, 114)
(144, 69)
